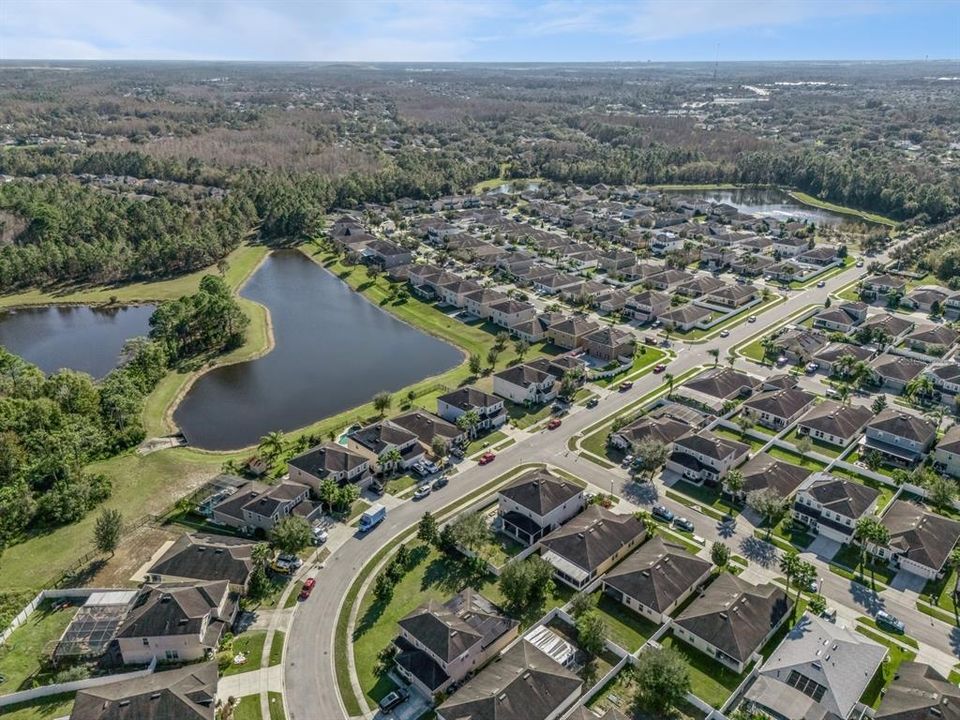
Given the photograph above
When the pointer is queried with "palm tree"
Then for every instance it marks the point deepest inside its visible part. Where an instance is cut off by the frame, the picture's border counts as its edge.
(715, 354)
(271, 447)
(919, 389)
(733, 482)
(389, 459)
(521, 347)
(805, 574)
(789, 566)
(844, 365)
(668, 378)
(261, 554)
(468, 422)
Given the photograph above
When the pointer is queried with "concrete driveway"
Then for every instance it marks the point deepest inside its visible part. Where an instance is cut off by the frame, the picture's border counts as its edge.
(908, 582)
(824, 548)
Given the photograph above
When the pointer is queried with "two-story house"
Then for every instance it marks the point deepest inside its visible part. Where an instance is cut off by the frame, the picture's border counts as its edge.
(590, 544)
(947, 454)
(900, 438)
(706, 457)
(920, 541)
(834, 423)
(535, 504)
(509, 312)
(205, 558)
(609, 344)
(525, 385)
(488, 408)
(790, 246)
(176, 623)
(570, 332)
(259, 506)
(646, 305)
(329, 461)
(945, 377)
(776, 409)
(733, 619)
(656, 578)
(841, 318)
(441, 643)
(479, 301)
(831, 506)
(381, 439)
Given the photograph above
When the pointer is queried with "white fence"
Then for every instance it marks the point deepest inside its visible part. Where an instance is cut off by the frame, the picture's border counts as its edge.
(45, 595)
(73, 686)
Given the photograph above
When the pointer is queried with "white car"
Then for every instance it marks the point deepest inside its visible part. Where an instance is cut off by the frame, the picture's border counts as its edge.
(752, 318)
(291, 561)
(724, 333)
(320, 536)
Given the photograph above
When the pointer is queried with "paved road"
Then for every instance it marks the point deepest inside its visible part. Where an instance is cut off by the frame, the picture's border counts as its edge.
(310, 682)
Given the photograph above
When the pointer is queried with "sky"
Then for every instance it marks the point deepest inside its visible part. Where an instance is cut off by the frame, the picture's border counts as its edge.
(480, 30)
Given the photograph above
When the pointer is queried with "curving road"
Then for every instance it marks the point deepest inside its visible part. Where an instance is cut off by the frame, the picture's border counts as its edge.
(309, 676)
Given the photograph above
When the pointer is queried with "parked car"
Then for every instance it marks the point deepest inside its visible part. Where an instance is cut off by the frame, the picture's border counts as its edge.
(486, 458)
(307, 588)
(626, 461)
(859, 263)
(665, 514)
(441, 482)
(812, 367)
(822, 284)
(625, 385)
(320, 536)
(659, 368)
(683, 523)
(593, 402)
(752, 318)
(390, 701)
(422, 492)
(890, 622)
(292, 560)
(554, 424)
(724, 333)
(377, 487)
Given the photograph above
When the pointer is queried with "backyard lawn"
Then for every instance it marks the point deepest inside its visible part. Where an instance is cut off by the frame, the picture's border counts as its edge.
(625, 627)
(725, 432)
(485, 441)
(45, 708)
(888, 670)
(795, 458)
(20, 655)
(709, 680)
(818, 445)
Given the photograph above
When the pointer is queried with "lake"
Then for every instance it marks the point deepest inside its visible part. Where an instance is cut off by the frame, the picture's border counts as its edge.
(333, 351)
(81, 337)
(768, 202)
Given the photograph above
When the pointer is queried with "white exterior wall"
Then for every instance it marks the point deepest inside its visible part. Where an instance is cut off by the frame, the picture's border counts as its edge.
(139, 651)
(949, 460)
(553, 519)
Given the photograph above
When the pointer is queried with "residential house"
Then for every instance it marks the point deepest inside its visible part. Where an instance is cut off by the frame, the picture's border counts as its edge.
(590, 544)
(786, 271)
(646, 305)
(428, 428)
(895, 371)
(776, 409)
(454, 292)
(900, 438)
(441, 643)
(385, 254)
(751, 265)
(918, 692)
(833, 423)
(947, 455)
(945, 376)
(920, 541)
(664, 430)
(329, 461)
(205, 558)
(525, 385)
(639, 272)
(800, 344)
(561, 366)
(932, 340)
(614, 261)
(884, 285)
(828, 357)
(841, 318)
(699, 285)
(717, 257)
(479, 302)
(705, 457)
(733, 619)
(665, 242)
(656, 579)
(176, 622)
(893, 327)
(570, 332)
(381, 439)
(765, 472)
(820, 256)
(790, 246)
(615, 301)
(258, 506)
(819, 670)
(926, 299)
(186, 693)
(555, 282)
(488, 408)
(535, 329)
(523, 684)
(535, 504)
(668, 279)
(715, 387)
(609, 344)
(951, 306)
(831, 506)
(684, 318)
(733, 296)
(508, 312)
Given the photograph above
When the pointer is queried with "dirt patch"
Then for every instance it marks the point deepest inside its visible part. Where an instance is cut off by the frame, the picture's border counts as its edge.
(135, 549)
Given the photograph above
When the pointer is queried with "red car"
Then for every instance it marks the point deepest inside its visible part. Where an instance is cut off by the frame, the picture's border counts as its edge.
(487, 457)
(307, 588)
(553, 424)
(659, 368)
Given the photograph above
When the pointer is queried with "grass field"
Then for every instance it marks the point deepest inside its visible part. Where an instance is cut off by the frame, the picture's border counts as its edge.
(801, 197)
(46, 708)
(888, 670)
(251, 645)
(20, 658)
(275, 703)
(624, 627)
(643, 362)
(248, 708)
(709, 680)
(276, 648)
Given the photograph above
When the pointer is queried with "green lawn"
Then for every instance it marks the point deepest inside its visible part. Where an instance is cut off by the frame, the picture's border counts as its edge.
(903, 639)
(248, 708)
(500, 549)
(435, 576)
(795, 458)
(251, 645)
(20, 656)
(709, 680)
(896, 655)
(725, 432)
(397, 485)
(643, 363)
(940, 592)
(485, 441)
(806, 199)
(818, 445)
(697, 333)
(708, 500)
(626, 628)
(848, 557)
(275, 703)
(522, 416)
(276, 648)
(45, 708)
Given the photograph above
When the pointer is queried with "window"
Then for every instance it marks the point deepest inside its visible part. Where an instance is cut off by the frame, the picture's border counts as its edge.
(146, 641)
(172, 655)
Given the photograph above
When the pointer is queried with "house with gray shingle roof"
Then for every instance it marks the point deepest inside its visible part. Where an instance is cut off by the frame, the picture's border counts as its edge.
(831, 506)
